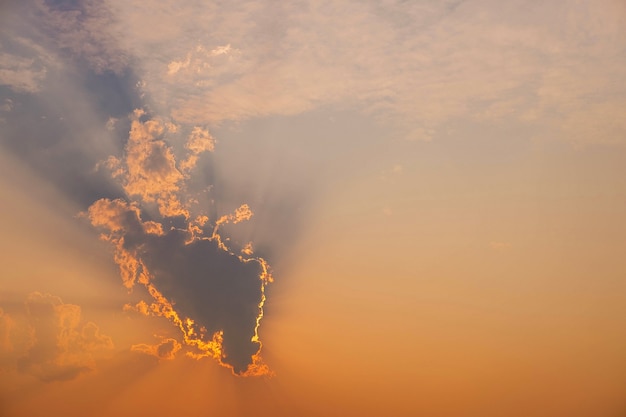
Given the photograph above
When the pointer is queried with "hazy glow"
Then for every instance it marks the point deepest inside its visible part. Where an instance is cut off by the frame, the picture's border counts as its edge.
(435, 190)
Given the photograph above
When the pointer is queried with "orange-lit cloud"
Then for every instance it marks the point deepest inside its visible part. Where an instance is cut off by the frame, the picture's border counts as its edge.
(213, 295)
(49, 339)
(167, 349)
(200, 140)
(149, 168)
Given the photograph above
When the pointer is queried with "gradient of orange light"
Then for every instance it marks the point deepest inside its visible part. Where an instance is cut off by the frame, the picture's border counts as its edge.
(419, 314)
(134, 384)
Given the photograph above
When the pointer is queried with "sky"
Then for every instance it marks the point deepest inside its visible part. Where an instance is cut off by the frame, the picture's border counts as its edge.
(313, 208)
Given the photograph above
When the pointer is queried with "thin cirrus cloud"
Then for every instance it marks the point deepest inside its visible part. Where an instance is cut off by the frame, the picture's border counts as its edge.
(166, 349)
(415, 65)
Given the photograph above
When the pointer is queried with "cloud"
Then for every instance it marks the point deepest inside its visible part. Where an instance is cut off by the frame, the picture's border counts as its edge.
(412, 65)
(49, 339)
(149, 170)
(167, 349)
(24, 63)
(20, 73)
(16, 337)
(213, 292)
(81, 29)
(200, 140)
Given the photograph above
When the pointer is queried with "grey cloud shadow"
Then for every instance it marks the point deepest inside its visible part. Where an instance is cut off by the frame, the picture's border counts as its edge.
(60, 132)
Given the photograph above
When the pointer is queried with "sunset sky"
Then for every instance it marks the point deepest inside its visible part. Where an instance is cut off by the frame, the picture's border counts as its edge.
(313, 208)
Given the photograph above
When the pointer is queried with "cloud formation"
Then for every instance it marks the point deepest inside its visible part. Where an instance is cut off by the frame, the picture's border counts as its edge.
(49, 340)
(212, 292)
(149, 170)
(81, 29)
(413, 65)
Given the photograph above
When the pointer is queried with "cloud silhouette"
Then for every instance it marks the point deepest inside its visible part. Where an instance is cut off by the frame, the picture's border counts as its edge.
(213, 293)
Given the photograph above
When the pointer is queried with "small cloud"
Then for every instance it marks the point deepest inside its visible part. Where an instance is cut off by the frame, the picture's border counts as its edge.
(20, 74)
(84, 28)
(167, 349)
(149, 168)
(247, 249)
(200, 61)
(175, 66)
(221, 50)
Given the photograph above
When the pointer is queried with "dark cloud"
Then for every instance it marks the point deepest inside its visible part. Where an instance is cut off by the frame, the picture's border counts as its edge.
(216, 288)
(196, 278)
(212, 290)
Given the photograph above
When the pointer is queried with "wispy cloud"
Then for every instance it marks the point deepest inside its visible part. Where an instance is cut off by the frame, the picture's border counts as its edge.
(412, 65)
(415, 65)
(24, 62)
(81, 29)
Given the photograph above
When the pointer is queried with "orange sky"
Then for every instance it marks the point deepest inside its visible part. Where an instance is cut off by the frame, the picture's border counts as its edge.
(437, 188)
